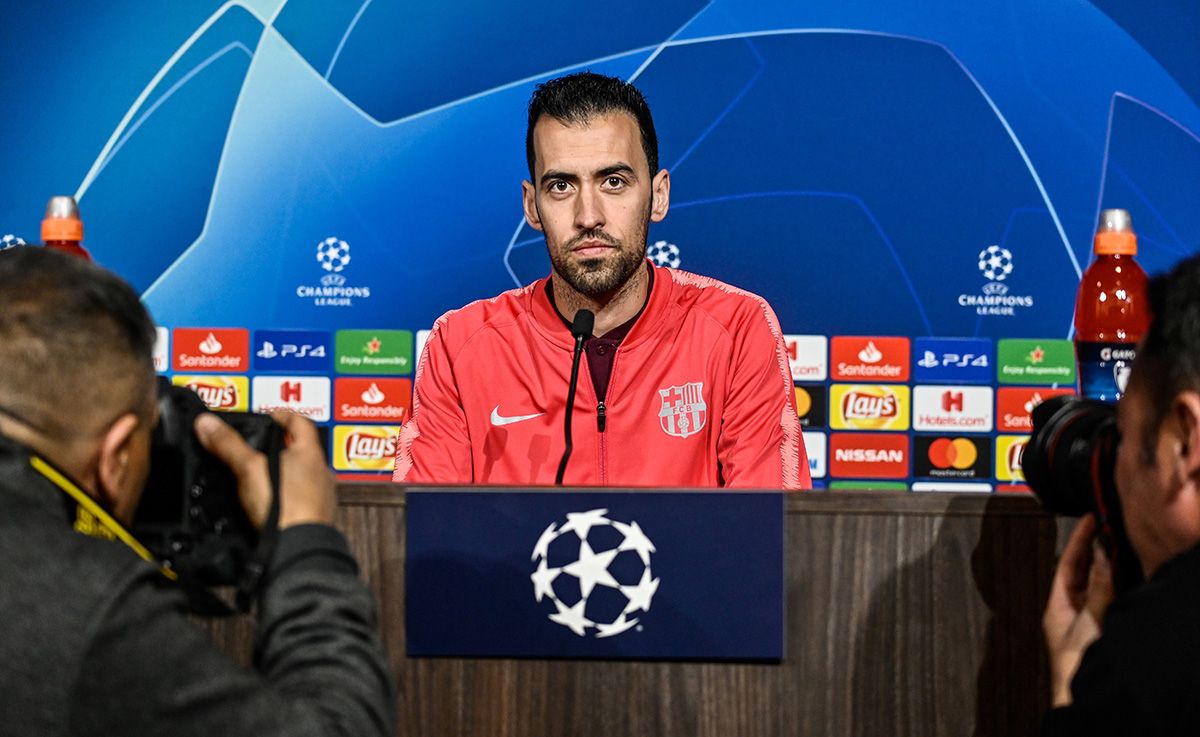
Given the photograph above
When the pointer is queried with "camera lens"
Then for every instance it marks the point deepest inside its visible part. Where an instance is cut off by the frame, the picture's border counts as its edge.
(1070, 456)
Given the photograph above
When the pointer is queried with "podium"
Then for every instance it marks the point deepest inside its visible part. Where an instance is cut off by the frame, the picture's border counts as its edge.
(905, 614)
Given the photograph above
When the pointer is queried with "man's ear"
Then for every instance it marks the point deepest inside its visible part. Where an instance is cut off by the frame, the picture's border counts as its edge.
(1186, 414)
(115, 468)
(529, 202)
(660, 195)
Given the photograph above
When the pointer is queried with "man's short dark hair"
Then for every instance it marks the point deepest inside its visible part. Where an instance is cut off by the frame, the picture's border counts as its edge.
(75, 343)
(577, 98)
(1169, 357)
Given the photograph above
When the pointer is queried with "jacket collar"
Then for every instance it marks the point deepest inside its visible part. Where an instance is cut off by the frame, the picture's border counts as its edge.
(550, 324)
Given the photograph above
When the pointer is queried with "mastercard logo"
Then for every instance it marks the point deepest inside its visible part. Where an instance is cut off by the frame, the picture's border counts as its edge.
(958, 453)
(803, 401)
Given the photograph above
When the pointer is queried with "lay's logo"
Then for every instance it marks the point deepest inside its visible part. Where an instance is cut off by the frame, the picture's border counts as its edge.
(220, 393)
(364, 447)
(870, 407)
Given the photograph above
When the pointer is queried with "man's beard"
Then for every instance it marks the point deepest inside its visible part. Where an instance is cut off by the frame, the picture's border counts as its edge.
(599, 277)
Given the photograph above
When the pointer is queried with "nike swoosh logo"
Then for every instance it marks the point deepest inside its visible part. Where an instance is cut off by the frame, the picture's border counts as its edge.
(498, 419)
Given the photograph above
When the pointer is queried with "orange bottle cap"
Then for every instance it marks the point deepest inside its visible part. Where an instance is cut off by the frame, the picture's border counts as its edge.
(1109, 243)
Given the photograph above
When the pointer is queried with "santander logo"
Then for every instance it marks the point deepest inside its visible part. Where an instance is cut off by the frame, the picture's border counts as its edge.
(372, 395)
(210, 346)
(869, 353)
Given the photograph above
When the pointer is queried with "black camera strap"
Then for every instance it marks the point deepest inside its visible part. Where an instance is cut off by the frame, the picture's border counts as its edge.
(268, 536)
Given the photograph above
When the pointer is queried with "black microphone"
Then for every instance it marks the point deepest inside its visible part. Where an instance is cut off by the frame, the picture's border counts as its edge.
(581, 329)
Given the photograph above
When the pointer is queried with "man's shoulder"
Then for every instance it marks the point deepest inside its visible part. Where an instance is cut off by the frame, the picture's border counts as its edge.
(456, 327)
(733, 307)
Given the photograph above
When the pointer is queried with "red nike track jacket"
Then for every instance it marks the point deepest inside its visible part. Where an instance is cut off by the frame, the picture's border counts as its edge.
(700, 395)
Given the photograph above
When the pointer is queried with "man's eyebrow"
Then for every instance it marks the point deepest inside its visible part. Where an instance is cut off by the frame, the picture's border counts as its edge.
(621, 168)
(564, 176)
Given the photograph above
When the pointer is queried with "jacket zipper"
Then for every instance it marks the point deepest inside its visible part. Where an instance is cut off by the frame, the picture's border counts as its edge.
(602, 421)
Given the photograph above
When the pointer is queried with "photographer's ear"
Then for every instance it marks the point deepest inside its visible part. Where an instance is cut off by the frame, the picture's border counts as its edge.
(122, 466)
(1186, 410)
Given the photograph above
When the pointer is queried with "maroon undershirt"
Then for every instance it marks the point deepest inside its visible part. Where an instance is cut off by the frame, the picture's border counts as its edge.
(601, 351)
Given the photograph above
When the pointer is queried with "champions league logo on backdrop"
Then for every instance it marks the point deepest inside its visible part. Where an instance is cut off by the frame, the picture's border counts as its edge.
(662, 253)
(996, 265)
(333, 256)
(595, 571)
(11, 241)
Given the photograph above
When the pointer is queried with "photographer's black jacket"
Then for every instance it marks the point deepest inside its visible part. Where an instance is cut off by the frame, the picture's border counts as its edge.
(1142, 677)
(94, 640)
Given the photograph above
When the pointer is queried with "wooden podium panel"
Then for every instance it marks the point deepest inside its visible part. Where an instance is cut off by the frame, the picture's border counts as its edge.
(907, 614)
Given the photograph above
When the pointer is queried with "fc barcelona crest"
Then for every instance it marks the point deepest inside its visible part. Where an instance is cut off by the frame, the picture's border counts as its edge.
(683, 411)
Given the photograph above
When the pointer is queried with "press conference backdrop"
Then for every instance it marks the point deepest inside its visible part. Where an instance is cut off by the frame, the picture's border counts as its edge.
(880, 172)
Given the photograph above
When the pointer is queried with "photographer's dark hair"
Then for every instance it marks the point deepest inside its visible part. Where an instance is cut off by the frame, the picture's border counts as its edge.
(1170, 351)
(75, 343)
(577, 98)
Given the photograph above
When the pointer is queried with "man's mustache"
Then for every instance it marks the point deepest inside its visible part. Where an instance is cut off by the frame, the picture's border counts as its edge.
(594, 234)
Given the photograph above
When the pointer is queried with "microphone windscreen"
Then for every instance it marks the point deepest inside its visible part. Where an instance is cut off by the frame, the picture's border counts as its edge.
(582, 326)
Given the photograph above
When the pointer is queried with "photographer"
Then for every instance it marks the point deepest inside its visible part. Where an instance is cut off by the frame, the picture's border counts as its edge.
(94, 639)
(1131, 665)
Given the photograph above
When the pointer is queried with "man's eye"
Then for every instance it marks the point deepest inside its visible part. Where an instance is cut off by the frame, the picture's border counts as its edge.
(615, 182)
(558, 186)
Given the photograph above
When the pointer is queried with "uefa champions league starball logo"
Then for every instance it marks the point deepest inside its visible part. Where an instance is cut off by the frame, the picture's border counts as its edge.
(663, 254)
(593, 574)
(10, 241)
(996, 263)
(333, 254)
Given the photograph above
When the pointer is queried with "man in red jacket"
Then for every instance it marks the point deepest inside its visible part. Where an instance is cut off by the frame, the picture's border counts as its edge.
(689, 382)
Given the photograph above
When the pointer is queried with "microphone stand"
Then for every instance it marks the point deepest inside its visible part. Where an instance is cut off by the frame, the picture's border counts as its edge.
(581, 328)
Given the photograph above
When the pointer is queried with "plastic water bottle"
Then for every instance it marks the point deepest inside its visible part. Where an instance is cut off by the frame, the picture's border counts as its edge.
(1111, 312)
(61, 228)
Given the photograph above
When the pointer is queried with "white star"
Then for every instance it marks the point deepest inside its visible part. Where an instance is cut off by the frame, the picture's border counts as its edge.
(572, 616)
(616, 628)
(639, 596)
(542, 578)
(592, 569)
(635, 539)
(543, 543)
(581, 522)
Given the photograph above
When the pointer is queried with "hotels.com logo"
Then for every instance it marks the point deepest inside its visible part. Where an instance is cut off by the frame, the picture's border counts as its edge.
(304, 395)
(211, 349)
(808, 356)
(870, 357)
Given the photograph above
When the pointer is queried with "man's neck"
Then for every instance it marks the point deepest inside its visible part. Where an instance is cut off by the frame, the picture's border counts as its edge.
(612, 309)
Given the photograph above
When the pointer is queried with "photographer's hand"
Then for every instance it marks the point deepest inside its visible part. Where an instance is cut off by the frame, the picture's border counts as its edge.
(1079, 596)
(307, 493)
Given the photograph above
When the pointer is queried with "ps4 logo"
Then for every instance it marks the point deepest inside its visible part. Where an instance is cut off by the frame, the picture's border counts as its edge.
(956, 360)
(290, 350)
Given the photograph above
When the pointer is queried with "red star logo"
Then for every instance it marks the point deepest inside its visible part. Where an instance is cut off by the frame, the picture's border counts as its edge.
(374, 346)
(1036, 355)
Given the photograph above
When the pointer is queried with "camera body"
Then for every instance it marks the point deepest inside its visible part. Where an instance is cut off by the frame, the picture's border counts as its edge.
(190, 516)
(1070, 464)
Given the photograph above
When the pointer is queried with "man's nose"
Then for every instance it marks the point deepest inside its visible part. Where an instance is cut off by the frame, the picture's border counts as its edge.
(589, 210)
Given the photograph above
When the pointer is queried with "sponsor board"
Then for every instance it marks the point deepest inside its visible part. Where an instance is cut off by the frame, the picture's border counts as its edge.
(1014, 405)
(951, 457)
(372, 400)
(422, 337)
(220, 393)
(218, 350)
(952, 408)
(959, 487)
(1009, 451)
(1022, 361)
(953, 360)
(878, 358)
(808, 356)
(162, 354)
(868, 455)
(304, 395)
(374, 352)
(869, 407)
(364, 447)
(815, 448)
(812, 405)
(292, 350)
